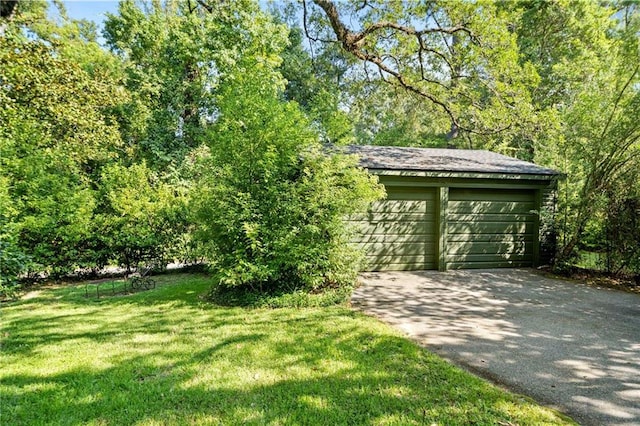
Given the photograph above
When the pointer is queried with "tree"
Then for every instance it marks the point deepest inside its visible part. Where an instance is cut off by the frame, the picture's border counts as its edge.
(315, 80)
(270, 204)
(140, 219)
(460, 57)
(56, 131)
(175, 53)
(587, 55)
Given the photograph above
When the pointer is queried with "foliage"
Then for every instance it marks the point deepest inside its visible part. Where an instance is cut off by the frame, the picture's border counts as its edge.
(270, 203)
(13, 261)
(79, 199)
(55, 133)
(277, 299)
(460, 58)
(315, 82)
(142, 219)
(174, 53)
(592, 91)
(622, 227)
(164, 357)
(392, 117)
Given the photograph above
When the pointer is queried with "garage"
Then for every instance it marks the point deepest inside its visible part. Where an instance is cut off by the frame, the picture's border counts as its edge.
(490, 228)
(455, 209)
(399, 233)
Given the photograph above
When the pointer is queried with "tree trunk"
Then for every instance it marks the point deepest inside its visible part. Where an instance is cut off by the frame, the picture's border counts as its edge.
(7, 11)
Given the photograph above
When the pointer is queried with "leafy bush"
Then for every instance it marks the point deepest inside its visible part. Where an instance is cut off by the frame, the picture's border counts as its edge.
(143, 219)
(13, 261)
(269, 203)
(246, 297)
(52, 199)
(55, 133)
(623, 232)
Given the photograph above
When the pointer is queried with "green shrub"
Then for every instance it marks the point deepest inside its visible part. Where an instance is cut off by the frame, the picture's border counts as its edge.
(53, 205)
(269, 204)
(622, 229)
(246, 297)
(13, 263)
(142, 219)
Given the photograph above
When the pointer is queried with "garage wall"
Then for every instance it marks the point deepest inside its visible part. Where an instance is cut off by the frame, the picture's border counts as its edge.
(490, 228)
(399, 233)
(453, 223)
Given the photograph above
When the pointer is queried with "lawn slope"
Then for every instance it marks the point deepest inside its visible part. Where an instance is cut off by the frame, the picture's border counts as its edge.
(165, 357)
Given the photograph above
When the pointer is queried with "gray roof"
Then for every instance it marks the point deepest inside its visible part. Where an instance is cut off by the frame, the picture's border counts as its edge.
(442, 160)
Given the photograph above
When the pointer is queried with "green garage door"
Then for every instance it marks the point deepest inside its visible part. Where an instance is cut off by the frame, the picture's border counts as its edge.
(490, 228)
(399, 233)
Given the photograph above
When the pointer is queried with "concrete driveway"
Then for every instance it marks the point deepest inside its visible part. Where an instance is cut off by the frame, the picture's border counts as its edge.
(569, 346)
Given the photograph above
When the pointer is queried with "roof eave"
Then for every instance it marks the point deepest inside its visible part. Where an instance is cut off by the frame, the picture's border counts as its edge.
(467, 175)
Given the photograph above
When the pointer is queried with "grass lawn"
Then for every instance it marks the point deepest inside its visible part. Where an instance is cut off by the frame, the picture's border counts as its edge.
(165, 357)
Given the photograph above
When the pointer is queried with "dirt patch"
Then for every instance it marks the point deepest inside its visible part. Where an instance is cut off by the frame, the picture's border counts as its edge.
(622, 282)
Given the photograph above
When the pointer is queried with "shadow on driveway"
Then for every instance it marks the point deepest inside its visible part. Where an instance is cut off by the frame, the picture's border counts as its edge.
(571, 346)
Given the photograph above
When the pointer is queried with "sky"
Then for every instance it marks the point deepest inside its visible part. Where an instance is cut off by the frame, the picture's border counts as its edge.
(93, 10)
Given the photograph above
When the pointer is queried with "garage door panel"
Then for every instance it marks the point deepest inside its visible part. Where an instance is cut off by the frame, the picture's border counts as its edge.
(400, 206)
(389, 217)
(462, 248)
(488, 265)
(414, 228)
(500, 258)
(476, 217)
(406, 259)
(410, 194)
(395, 238)
(398, 249)
(488, 238)
(399, 233)
(401, 266)
(491, 195)
(490, 228)
(488, 207)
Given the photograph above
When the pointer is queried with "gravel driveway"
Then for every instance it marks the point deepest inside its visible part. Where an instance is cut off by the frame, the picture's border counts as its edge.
(570, 346)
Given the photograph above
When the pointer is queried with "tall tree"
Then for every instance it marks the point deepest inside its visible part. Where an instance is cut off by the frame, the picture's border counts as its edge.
(56, 131)
(270, 204)
(176, 52)
(587, 55)
(461, 57)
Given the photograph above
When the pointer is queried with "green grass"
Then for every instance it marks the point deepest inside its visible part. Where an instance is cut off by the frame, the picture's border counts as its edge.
(165, 357)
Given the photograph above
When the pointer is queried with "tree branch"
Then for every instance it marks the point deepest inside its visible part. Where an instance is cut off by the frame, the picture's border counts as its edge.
(618, 99)
(352, 42)
(7, 8)
(410, 30)
(204, 4)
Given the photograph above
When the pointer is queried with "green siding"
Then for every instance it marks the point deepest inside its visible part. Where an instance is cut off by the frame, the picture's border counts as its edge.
(490, 228)
(443, 207)
(399, 233)
(547, 231)
(439, 223)
(489, 207)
